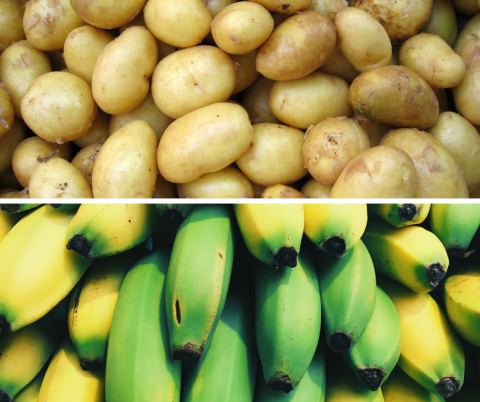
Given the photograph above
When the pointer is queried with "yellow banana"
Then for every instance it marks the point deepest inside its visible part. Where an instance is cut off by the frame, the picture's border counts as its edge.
(7, 221)
(400, 215)
(31, 391)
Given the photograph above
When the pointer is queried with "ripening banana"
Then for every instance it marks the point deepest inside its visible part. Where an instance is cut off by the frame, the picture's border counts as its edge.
(198, 277)
(7, 222)
(174, 213)
(140, 366)
(411, 255)
(14, 208)
(36, 270)
(92, 304)
(100, 230)
(347, 288)
(400, 215)
(287, 320)
(310, 389)
(335, 228)
(22, 356)
(431, 352)
(376, 353)
(455, 225)
(66, 381)
(31, 391)
(272, 232)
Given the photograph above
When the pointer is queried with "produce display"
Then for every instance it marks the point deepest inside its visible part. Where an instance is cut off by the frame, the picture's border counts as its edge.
(245, 302)
(239, 99)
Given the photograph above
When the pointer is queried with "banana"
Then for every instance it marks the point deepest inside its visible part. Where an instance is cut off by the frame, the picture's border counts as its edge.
(31, 391)
(66, 206)
(272, 232)
(431, 352)
(310, 389)
(287, 320)
(174, 213)
(376, 353)
(36, 269)
(14, 208)
(347, 288)
(401, 388)
(66, 381)
(7, 222)
(100, 230)
(140, 366)
(412, 255)
(22, 356)
(197, 280)
(92, 304)
(455, 225)
(400, 215)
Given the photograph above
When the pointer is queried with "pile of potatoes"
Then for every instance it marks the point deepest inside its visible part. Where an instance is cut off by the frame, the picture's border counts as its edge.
(227, 99)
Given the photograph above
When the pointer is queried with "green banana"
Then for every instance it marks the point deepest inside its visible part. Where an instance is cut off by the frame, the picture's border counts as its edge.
(174, 213)
(197, 280)
(376, 353)
(347, 288)
(32, 390)
(400, 215)
(14, 208)
(66, 206)
(412, 255)
(335, 228)
(287, 320)
(139, 363)
(455, 225)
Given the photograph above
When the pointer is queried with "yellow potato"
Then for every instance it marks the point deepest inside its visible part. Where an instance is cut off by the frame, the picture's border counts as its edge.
(126, 166)
(281, 191)
(297, 47)
(98, 133)
(203, 141)
(338, 65)
(11, 22)
(59, 107)
(328, 7)
(245, 70)
(192, 78)
(470, 31)
(226, 183)
(164, 189)
(85, 159)
(308, 101)
(215, 6)
(120, 77)
(7, 114)
(282, 7)
(374, 130)
(443, 21)
(466, 7)
(275, 155)
(315, 189)
(9, 142)
(20, 65)
(378, 172)
(331, 145)
(439, 175)
(255, 101)
(13, 193)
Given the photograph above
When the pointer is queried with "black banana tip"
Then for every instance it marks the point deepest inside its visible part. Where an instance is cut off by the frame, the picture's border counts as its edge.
(435, 273)
(285, 257)
(371, 377)
(91, 365)
(12, 208)
(407, 212)
(81, 245)
(334, 247)
(447, 387)
(281, 384)
(456, 250)
(187, 354)
(4, 397)
(4, 324)
(340, 341)
(172, 216)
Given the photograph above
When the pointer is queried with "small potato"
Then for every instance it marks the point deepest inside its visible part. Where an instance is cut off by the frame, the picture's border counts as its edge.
(372, 49)
(13, 193)
(226, 183)
(281, 191)
(374, 130)
(439, 175)
(245, 70)
(443, 21)
(34, 150)
(378, 172)
(59, 107)
(297, 47)
(47, 23)
(125, 166)
(315, 189)
(255, 101)
(164, 189)
(331, 145)
(466, 7)
(338, 65)
(85, 159)
(192, 78)
(308, 101)
(9, 142)
(120, 77)
(7, 114)
(275, 155)
(179, 23)
(215, 6)
(203, 141)
(328, 7)
(470, 31)
(11, 22)
(98, 133)
(282, 7)
(433, 59)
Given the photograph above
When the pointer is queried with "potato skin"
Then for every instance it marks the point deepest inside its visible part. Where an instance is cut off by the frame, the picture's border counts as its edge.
(281, 7)
(255, 101)
(203, 141)
(11, 22)
(281, 191)
(443, 21)
(9, 142)
(315, 189)
(85, 159)
(7, 114)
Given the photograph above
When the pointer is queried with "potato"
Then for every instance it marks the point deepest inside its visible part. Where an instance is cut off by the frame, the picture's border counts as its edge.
(20, 65)
(203, 141)
(439, 175)
(275, 155)
(47, 23)
(164, 189)
(315, 189)
(7, 114)
(378, 172)
(433, 59)
(9, 142)
(59, 107)
(372, 49)
(394, 95)
(466, 7)
(98, 132)
(226, 183)
(180, 23)
(331, 145)
(8, 180)
(338, 65)
(11, 22)
(374, 130)
(85, 159)
(282, 7)
(441, 95)
(281, 191)
(192, 78)
(245, 70)
(33, 151)
(255, 101)
(462, 140)
(470, 31)
(125, 166)
(443, 21)
(308, 101)
(297, 47)
(215, 6)
(120, 77)
(327, 7)
(13, 193)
